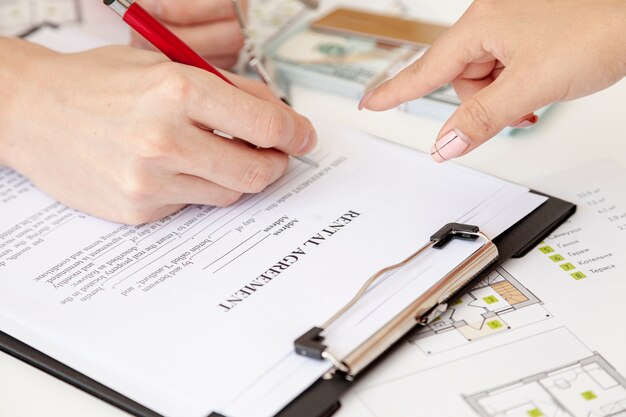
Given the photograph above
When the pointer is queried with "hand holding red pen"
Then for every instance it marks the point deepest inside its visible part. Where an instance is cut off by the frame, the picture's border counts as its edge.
(121, 133)
(167, 42)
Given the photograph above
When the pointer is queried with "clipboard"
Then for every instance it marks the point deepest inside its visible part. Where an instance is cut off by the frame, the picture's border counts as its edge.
(322, 399)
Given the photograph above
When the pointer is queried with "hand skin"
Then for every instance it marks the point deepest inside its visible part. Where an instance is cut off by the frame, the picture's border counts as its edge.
(124, 134)
(507, 59)
(210, 27)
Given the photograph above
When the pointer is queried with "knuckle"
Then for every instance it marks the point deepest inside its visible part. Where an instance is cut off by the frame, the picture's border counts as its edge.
(171, 83)
(163, 71)
(152, 145)
(235, 39)
(417, 67)
(482, 118)
(272, 124)
(304, 135)
(256, 176)
(419, 70)
(137, 187)
(226, 199)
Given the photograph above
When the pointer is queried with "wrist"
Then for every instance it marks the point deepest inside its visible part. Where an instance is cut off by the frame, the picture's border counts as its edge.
(8, 81)
(18, 61)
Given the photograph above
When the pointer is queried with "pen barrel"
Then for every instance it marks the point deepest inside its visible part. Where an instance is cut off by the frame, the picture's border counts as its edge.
(166, 41)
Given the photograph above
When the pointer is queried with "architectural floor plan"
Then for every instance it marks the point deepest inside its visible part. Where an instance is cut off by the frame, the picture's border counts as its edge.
(588, 388)
(496, 304)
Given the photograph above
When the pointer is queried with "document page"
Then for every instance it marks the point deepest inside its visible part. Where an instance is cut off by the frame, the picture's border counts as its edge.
(541, 336)
(198, 312)
(66, 39)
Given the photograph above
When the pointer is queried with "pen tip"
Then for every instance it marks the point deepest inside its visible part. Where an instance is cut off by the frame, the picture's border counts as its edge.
(307, 161)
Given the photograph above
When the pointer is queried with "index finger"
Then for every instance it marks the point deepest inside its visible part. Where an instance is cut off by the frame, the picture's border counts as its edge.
(256, 88)
(267, 124)
(440, 64)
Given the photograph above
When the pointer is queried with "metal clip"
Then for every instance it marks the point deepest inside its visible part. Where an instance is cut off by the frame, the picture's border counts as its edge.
(422, 311)
(436, 312)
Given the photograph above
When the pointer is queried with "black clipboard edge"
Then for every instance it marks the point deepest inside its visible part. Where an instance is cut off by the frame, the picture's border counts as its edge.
(322, 398)
(537, 227)
(45, 363)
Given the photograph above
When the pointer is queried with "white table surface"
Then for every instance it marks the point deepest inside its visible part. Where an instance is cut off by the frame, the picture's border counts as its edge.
(571, 134)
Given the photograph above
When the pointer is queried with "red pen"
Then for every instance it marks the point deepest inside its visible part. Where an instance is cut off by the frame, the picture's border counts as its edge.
(167, 42)
(161, 37)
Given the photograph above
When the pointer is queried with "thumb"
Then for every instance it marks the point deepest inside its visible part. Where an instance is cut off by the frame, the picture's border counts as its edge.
(484, 115)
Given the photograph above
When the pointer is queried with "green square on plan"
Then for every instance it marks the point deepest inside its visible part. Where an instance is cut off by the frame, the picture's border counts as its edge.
(588, 395)
(557, 258)
(535, 412)
(567, 267)
(490, 299)
(578, 275)
(546, 249)
(495, 324)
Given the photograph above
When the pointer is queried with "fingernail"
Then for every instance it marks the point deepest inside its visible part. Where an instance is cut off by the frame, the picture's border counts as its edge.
(152, 6)
(522, 125)
(309, 143)
(365, 98)
(451, 145)
(526, 122)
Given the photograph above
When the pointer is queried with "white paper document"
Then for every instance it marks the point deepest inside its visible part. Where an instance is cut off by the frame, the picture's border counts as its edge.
(66, 39)
(592, 244)
(198, 312)
(543, 335)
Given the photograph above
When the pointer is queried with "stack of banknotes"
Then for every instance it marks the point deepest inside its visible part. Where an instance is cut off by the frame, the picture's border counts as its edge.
(349, 66)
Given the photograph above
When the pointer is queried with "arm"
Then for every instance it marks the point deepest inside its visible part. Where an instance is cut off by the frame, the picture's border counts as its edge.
(16, 62)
